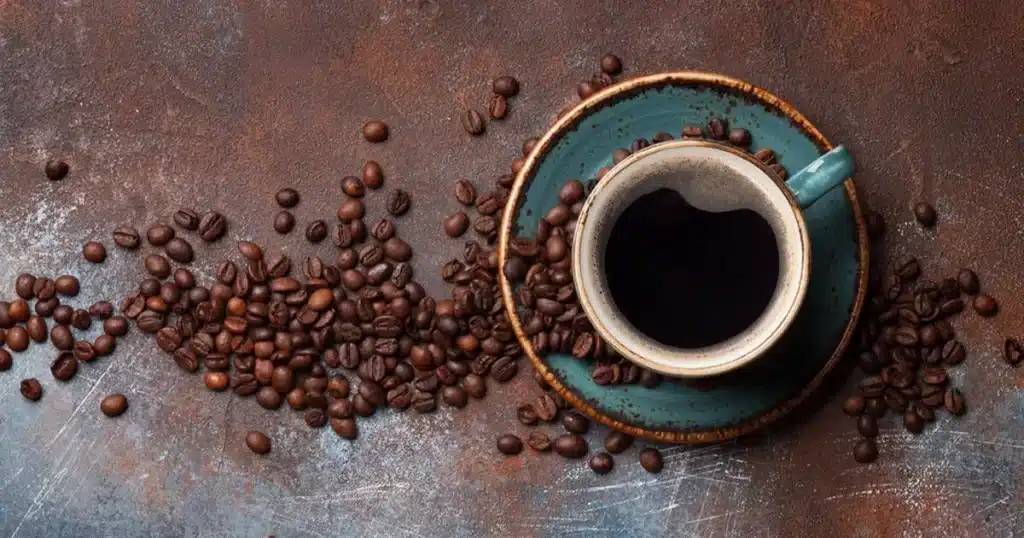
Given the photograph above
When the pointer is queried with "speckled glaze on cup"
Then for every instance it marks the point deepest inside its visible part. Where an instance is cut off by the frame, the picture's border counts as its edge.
(712, 177)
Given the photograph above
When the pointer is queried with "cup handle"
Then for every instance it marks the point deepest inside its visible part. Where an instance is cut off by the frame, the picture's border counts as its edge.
(821, 176)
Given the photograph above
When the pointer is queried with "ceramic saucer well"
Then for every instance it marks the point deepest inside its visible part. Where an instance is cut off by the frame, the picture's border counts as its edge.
(722, 407)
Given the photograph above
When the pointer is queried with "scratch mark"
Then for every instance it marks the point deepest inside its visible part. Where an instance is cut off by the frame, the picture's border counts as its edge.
(86, 399)
(904, 144)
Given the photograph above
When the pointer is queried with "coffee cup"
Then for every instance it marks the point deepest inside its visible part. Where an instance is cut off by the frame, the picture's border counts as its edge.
(691, 258)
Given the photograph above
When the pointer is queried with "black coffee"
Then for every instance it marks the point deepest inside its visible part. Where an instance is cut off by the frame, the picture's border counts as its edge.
(690, 278)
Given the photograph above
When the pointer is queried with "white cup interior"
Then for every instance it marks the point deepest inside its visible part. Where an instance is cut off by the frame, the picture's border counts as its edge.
(712, 179)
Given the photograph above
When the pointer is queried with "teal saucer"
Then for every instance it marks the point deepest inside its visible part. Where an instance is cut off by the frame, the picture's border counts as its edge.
(723, 407)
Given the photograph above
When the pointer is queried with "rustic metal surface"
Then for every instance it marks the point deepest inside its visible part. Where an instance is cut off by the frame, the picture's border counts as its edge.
(158, 105)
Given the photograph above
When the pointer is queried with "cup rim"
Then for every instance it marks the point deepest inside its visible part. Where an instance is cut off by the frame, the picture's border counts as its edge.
(558, 129)
(679, 368)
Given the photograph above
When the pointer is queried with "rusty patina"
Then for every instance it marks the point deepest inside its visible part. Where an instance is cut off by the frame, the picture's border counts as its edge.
(157, 106)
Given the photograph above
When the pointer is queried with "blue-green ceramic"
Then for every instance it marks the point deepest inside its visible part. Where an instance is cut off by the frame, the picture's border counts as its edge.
(722, 407)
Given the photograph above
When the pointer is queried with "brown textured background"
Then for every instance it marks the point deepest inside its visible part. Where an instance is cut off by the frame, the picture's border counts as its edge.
(219, 104)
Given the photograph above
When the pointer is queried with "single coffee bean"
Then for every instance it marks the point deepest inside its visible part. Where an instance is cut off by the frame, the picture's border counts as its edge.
(66, 285)
(587, 88)
(212, 226)
(179, 250)
(350, 210)
(611, 64)
(953, 352)
(36, 328)
(617, 442)
(398, 202)
(287, 197)
(539, 441)
(251, 251)
(159, 234)
(985, 305)
(24, 286)
(258, 442)
(739, 137)
(114, 326)
(56, 170)
(949, 288)
(925, 214)
(284, 222)
(104, 345)
(316, 231)
(1013, 352)
(854, 405)
(216, 381)
(64, 366)
(473, 122)
(64, 314)
(968, 281)
(867, 425)
(650, 460)
(498, 107)
(601, 463)
(907, 269)
(114, 405)
(465, 193)
(46, 308)
(60, 337)
(876, 407)
(865, 451)
(101, 309)
(505, 86)
(509, 444)
(474, 385)
(718, 129)
(912, 421)
(187, 219)
(5, 360)
(570, 445)
(954, 401)
(17, 339)
(950, 307)
(81, 319)
(94, 251)
(576, 423)
(31, 389)
(345, 428)
(456, 225)
(127, 237)
(454, 396)
(158, 266)
(375, 131)
(268, 398)
(934, 375)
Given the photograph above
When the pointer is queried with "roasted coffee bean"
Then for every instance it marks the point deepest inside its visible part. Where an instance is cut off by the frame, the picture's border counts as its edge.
(187, 219)
(287, 198)
(912, 421)
(375, 131)
(895, 399)
(465, 193)
(284, 222)
(17, 338)
(66, 285)
(56, 170)
(718, 129)
(854, 405)
(454, 396)
(316, 231)
(159, 234)
(101, 310)
(187, 359)
(601, 463)
(150, 322)
(456, 224)
(114, 326)
(950, 307)
(526, 414)
(539, 441)
(216, 381)
(397, 250)
(968, 281)
(158, 266)
(350, 210)
(504, 369)
(114, 405)
(47, 307)
(127, 237)
(953, 352)
(546, 408)
(345, 428)
(1013, 352)
(84, 351)
(268, 398)
(212, 226)
(423, 401)
(876, 407)
(94, 252)
(576, 423)
(179, 250)
(24, 286)
(509, 444)
(907, 269)
(925, 214)
(907, 336)
(865, 451)
(5, 360)
(473, 122)
(954, 401)
(398, 202)
(31, 389)
(923, 411)
(867, 426)
(36, 328)
(570, 446)
(617, 442)
(498, 107)
(64, 366)
(352, 186)
(505, 86)
(985, 305)
(258, 442)
(935, 375)
(18, 310)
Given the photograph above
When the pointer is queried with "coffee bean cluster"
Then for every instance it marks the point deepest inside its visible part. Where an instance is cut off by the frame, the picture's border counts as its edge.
(907, 343)
(24, 321)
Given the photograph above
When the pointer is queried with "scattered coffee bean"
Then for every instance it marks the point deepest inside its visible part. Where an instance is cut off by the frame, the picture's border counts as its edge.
(925, 214)
(576, 423)
(17, 339)
(94, 251)
(258, 442)
(158, 266)
(473, 122)
(739, 137)
(114, 405)
(611, 64)
(375, 131)
(867, 426)
(509, 444)
(127, 237)
(601, 463)
(31, 389)
(5, 360)
(865, 451)
(456, 224)
(56, 170)
(159, 234)
(212, 226)
(570, 445)
(67, 285)
(373, 175)
(64, 366)
(617, 442)
(539, 441)
(497, 109)
(954, 401)
(179, 250)
(350, 210)
(284, 222)
(60, 337)
(650, 460)
(187, 219)
(24, 286)
(854, 405)
(505, 86)
(912, 421)
(968, 281)
(985, 305)
(316, 231)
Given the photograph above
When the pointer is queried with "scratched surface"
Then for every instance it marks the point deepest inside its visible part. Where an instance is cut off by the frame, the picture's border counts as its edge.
(159, 104)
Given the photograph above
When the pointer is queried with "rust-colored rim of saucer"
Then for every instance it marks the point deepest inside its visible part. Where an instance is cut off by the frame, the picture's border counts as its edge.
(560, 128)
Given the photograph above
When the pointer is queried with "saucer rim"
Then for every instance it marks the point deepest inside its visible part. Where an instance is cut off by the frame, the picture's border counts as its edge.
(606, 97)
